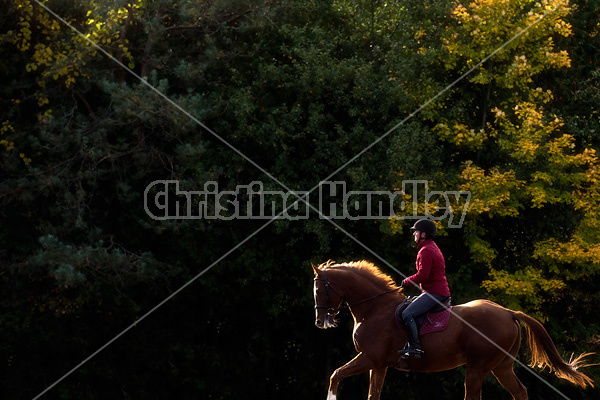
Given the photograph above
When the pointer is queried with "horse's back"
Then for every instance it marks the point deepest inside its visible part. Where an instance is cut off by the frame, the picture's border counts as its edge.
(482, 312)
(482, 322)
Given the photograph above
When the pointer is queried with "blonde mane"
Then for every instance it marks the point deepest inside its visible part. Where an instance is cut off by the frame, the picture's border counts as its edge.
(365, 269)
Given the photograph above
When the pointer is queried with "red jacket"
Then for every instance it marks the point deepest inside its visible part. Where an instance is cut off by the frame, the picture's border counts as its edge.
(431, 269)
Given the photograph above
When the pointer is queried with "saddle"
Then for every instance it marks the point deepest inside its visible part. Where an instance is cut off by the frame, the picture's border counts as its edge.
(433, 321)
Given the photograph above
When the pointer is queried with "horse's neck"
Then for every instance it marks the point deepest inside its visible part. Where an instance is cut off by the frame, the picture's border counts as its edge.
(358, 288)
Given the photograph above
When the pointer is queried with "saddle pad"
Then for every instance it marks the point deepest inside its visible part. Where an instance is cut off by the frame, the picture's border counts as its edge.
(433, 322)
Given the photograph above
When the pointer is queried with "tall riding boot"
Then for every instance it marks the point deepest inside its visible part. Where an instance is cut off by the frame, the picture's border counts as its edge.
(413, 347)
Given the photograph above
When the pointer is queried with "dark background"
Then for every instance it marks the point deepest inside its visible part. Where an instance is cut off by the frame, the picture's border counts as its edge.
(299, 87)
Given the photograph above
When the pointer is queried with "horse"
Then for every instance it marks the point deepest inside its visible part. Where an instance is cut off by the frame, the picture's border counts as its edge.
(481, 335)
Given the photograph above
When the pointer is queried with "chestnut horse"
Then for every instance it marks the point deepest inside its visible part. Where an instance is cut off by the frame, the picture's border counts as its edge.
(481, 335)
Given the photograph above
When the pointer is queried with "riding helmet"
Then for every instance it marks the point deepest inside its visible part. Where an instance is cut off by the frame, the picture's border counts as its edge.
(427, 226)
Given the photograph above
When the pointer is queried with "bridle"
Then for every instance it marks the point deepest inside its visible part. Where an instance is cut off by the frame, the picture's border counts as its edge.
(331, 311)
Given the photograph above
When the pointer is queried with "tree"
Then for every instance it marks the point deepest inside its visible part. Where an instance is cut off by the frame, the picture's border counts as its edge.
(300, 88)
(521, 161)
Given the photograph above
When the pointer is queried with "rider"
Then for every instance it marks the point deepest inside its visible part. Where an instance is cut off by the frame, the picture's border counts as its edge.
(431, 276)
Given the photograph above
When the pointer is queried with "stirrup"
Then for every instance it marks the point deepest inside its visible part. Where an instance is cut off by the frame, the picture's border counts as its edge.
(410, 351)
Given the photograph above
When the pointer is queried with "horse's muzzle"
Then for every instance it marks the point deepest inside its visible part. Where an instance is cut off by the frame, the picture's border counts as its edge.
(325, 324)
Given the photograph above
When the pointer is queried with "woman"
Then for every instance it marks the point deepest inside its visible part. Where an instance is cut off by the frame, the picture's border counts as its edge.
(431, 276)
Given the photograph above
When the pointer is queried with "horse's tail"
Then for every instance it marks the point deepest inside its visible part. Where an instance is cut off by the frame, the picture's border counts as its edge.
(544, 353)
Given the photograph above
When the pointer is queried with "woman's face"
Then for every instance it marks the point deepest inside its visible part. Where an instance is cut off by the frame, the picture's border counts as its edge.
(417, 235)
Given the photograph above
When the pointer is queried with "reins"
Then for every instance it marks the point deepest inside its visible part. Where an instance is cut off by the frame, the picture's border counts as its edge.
(329, 307)
(373, 297)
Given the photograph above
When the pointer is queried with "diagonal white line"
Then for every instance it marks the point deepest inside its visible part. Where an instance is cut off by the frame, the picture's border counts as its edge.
(467, 323)
(303, 198)
(396, 127)
(450, 86)
(156, 307)
(161, 94)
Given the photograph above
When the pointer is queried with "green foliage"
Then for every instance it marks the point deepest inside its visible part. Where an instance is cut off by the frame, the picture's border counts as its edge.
(300, 88)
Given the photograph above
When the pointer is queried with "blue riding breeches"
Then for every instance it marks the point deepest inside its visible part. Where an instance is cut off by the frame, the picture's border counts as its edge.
(422, 304)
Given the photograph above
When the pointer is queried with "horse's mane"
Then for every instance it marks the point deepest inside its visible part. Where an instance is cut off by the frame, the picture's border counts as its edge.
(365, 269)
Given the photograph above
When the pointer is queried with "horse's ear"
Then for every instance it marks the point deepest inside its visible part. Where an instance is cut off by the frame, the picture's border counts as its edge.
(315, 269)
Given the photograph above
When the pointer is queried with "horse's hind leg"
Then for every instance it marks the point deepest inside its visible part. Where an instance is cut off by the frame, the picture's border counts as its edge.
(473, 383)
(507, 378)
(506, 375)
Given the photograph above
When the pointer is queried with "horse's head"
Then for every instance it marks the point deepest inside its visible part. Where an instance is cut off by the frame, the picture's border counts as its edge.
(327, 299)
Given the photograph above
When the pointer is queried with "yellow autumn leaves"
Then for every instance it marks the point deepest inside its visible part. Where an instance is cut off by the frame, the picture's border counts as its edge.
(535, 161)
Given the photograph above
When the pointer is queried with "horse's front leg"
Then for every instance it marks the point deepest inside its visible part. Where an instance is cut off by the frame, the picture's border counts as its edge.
(358, 364)
(377, 378)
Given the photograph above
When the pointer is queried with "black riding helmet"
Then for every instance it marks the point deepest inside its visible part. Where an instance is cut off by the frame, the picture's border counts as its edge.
(427, 226)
